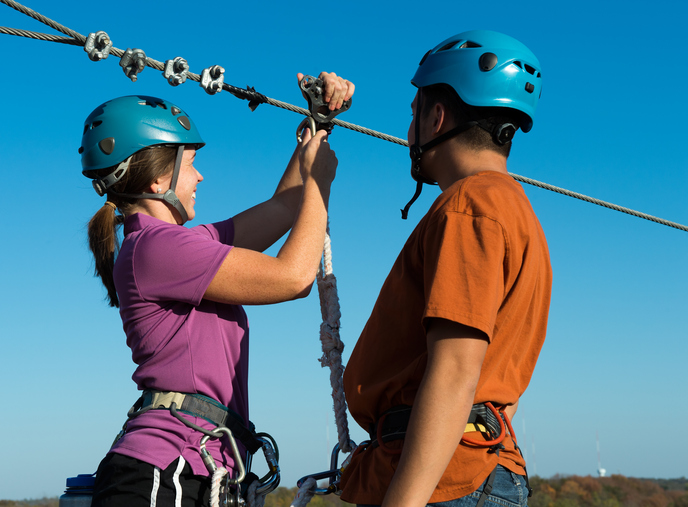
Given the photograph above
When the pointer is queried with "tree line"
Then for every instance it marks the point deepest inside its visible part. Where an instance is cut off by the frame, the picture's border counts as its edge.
(557, 491)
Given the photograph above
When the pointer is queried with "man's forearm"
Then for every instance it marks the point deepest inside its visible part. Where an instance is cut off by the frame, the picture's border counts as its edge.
(440, 412)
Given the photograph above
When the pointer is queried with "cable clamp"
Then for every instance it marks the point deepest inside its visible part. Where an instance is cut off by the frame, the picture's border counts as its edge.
(98, 46)
(133, 62)
(212, 79)
(176, 71)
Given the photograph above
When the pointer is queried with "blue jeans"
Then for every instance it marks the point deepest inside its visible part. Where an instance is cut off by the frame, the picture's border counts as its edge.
(508, 490)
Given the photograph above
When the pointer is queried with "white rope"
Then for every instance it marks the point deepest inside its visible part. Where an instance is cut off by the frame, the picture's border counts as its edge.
(216, 486)
(332, 345)
(305, 493)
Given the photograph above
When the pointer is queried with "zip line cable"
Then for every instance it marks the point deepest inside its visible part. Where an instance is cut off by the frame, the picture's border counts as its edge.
(212, 80)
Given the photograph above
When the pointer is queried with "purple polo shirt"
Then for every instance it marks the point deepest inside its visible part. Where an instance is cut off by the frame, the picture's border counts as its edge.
(179, 341)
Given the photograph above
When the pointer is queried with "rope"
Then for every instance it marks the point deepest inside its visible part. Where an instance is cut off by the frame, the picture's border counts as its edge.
(255, 98)
(252, 499)
(216, 485)
(305, 493)
(332, 345)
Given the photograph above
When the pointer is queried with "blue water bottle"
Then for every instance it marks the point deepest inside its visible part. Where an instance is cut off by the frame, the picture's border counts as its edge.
(79, 491)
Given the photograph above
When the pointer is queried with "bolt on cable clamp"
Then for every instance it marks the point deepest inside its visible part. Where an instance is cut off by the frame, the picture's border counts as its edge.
(212, 79)
(98, 46)
(133, 61)
(176, 71)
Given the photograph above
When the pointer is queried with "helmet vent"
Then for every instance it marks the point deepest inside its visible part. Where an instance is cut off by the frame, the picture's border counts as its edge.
(529, 69)
(175, 110)
(469, 45)
(93, 125)
(448, 46)
(153, 104)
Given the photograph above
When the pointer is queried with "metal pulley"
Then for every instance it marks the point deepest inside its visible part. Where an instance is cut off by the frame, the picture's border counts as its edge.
(321, 117)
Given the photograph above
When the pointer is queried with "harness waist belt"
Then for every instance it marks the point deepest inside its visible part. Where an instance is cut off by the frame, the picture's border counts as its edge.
(393, 423)
(197, 405)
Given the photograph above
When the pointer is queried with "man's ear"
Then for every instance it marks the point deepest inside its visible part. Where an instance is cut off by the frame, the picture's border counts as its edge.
(439, 117)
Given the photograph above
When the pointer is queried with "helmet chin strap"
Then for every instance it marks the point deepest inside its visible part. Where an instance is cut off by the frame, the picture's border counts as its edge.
(169, 197)
(416, 152)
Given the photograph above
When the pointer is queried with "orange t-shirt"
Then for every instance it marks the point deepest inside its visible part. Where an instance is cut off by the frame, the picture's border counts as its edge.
(478, 257)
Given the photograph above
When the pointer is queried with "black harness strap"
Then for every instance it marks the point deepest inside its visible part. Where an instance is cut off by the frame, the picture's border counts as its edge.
(393, 423)
(198, 405)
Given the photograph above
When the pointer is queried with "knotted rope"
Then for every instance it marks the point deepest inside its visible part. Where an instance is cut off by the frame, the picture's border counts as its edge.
(332, 345)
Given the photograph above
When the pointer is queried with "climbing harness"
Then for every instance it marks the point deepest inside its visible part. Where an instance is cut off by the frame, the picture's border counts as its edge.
(485, 418)
(235, 490)
(255, 98)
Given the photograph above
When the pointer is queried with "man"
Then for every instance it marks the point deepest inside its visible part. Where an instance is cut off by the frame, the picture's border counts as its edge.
(462, 316)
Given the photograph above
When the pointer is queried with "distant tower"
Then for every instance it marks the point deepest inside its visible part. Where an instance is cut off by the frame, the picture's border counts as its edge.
(600, 471)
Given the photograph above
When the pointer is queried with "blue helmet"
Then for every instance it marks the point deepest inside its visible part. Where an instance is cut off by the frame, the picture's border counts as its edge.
(117, 129)
(486, 69)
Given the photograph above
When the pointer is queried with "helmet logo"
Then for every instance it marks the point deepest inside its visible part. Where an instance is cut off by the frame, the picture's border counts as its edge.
(107, 145)
(487, 62)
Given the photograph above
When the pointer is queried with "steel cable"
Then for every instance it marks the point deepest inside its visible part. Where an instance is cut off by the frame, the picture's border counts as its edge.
(255, 98)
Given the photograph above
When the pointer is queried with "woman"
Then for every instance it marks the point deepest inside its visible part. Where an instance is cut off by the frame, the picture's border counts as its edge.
(179, 289)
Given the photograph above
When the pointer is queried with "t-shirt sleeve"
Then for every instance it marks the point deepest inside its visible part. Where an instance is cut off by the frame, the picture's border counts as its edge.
(464, 270)
(176, 264)
(219, 231)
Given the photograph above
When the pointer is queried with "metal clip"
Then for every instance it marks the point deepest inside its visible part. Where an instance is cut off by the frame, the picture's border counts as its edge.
(98, 46)
(328, 474)
(176, 71)
(210, 462)
(334, 474)
(312, 89)
(271, 480)
(306, 122)
(133, 61)
(212, 79)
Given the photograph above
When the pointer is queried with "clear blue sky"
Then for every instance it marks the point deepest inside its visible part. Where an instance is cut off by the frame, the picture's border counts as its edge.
(611, 124)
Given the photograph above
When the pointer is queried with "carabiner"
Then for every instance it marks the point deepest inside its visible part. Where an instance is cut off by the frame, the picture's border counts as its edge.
(308, 121)
(271, 480)
(210, 462)
(334, 474)
(327, 474)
